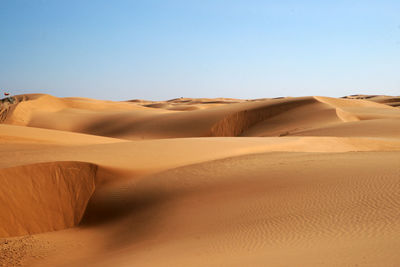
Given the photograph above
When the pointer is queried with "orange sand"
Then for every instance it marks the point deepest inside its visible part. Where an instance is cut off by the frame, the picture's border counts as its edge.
(308, 181)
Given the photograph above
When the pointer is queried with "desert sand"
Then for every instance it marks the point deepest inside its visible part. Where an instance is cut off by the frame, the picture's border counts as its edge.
(291, 181)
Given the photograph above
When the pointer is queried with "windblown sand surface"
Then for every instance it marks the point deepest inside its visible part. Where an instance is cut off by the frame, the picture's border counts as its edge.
(307, 181)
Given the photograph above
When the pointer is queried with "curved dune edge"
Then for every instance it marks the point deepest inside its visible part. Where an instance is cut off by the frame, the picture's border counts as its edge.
(342, 103)
(311, 181)
(27, 106)
(236, 123)
(156, 120)
(57, 193)
(234, 210)
(358, 109)
(144, 157)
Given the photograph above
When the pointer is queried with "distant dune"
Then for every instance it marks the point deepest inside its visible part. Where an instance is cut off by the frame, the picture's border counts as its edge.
(291, 181)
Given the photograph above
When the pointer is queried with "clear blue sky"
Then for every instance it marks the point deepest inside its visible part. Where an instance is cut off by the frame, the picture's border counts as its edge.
(120, 49)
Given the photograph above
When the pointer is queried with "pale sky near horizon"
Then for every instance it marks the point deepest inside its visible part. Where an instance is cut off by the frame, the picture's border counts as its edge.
(165, 49)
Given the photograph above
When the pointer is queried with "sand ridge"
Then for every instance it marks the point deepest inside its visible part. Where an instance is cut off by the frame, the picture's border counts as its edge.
(293, 181)
(136, 121)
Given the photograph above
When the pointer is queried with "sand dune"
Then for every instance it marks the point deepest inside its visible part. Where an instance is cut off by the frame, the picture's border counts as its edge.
(17, 134)
(388, 128)
(44, 197)
(254, 211)
(135, 120)
(388, 100)
(308, 181)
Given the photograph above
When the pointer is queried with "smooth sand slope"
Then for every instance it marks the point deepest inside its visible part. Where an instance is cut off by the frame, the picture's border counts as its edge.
(310, 181)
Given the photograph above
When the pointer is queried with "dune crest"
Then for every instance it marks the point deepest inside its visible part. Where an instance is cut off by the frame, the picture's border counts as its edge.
(181, 118)
(237, 123)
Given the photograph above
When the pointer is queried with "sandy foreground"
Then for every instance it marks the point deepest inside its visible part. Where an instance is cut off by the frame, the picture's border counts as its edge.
(305, 181)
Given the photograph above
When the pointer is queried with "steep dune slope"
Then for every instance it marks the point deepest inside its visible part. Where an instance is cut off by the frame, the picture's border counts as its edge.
(44, 197)
(307, 116)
